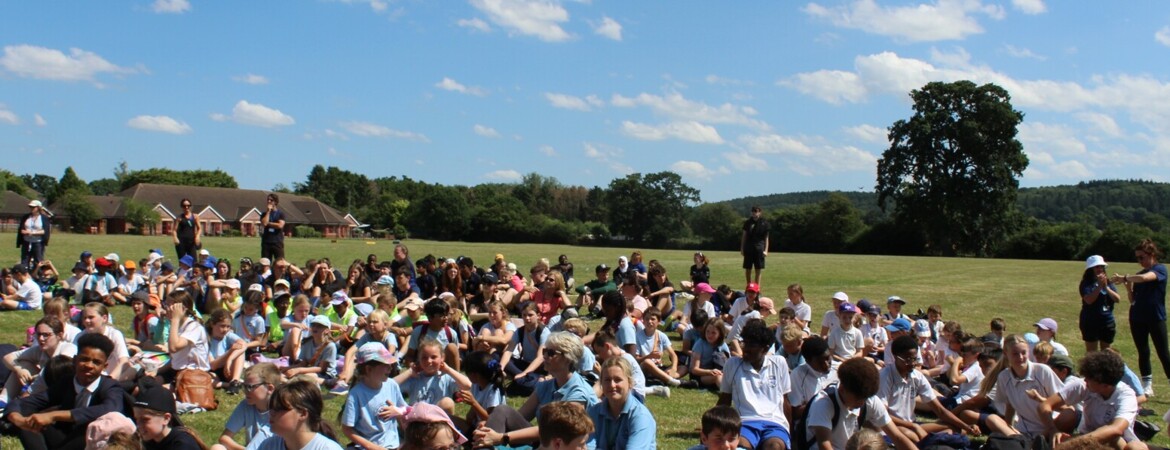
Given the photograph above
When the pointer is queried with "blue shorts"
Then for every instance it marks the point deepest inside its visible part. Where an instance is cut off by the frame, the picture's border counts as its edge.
(757, 431)
(23, 306)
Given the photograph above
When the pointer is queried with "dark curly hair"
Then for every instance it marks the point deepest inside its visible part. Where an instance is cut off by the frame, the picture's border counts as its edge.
(756, 332)
(1103, 367)
(903, 344)
(859, 377)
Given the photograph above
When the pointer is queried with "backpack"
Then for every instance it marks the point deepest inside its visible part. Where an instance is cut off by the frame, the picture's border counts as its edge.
(539, 331)
(452, 335)
(999, 441)
(801, 439)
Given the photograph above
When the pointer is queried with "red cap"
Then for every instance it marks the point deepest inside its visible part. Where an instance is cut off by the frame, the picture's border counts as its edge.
(753, 287)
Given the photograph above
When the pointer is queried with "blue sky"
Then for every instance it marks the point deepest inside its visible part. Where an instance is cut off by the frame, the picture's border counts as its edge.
(741, 98)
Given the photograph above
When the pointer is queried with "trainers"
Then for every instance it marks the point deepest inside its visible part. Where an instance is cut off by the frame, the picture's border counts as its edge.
(234, 387)
(661, 391)
(1148, 386)
(674, 382)
(339, 389)
(690, 384)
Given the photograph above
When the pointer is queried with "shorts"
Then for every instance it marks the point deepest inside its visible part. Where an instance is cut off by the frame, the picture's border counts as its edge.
(1104, 332)
(757, 431)
(272, 250)
(23, 306)
(753, 257)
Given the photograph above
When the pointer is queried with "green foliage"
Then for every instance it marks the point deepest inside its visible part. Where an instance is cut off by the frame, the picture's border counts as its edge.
(833, 225)
(305, 231)
(1039, 240)
(82, 213)
(139, 214)
(953, 167)
(649, 209)
(866, 202)
(718, 225)
(105, 186)
(10, 182)
(44, 185)
(502, 218)
(442, 214)
(232, 232)
(207, 178)
(69, 182)
(1118, 239)
(341, 189)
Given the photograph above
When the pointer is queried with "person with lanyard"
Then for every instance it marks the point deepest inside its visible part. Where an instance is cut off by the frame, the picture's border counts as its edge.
(187, 231)
(33, 235)
(272, 223)
(1147, 310)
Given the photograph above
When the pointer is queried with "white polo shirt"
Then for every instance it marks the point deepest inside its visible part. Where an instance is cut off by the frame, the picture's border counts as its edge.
(900, 393)
(974, 375)
(820, 414)
(830, 320)
(807, 382)
(845, 343)
(1013, 391)
(803, 311)
(1098, 411)
(758, 395)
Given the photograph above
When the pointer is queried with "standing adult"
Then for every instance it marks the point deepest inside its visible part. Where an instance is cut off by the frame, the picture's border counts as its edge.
(33, 235)
(1147, 310)
(1098, 296)
(187, 231)
(272, 237)
(753, 245)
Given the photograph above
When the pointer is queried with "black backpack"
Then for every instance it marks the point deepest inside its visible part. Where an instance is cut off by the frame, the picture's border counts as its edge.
(801, 439)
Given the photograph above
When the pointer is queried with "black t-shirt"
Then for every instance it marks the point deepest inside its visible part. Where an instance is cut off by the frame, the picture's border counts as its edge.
(700, 275)
(757, 232)
(394, 265)
(185, 228)
(175, 440)
(426, 285)
(272, 233)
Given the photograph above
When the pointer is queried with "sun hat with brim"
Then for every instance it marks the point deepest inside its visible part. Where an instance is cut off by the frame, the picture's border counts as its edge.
(338, 298)
(157, 398)
(1094, 261)
(375, 352)
(428, 413)
(187, 260)
(321, 320)
(384, 280)
(411, 304)
(922, 328)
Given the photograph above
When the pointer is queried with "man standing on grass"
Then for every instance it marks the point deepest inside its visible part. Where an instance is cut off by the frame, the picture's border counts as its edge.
(753, 245)
(272, 225)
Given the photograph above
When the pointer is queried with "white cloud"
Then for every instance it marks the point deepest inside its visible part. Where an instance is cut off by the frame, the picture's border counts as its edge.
(689, 131)
(161, 124)
(485, 131)
(608, 156)
(475, 23)
(691, 169)
(833, 86)
(609, 28)
(1103, 123)
(675, 106)
(378, 6)
(251, 79)
(255, 114)
(809, 156)
(934, 21)
(1054, 139)
(775, 144)
(1030, 6)
(548, 150)
(40, 121)
(1163, 36)
(716, 79)
(8, 117)
(448, 84)
(868, 133)
(1017, 52)
(744, 161)
(503, 175)
(540, 18)
(367, 129)
(30, 61)
(170, 6)
(565, 101)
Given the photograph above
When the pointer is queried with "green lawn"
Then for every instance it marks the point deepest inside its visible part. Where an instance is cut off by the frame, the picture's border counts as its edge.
(972, 291)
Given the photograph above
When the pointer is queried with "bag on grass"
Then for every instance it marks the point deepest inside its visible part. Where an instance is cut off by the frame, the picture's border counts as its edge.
(197, 387)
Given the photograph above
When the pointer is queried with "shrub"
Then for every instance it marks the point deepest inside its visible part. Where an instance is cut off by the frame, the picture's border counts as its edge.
(306, 231)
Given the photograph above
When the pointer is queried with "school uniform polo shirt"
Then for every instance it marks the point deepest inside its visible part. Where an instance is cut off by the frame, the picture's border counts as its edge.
(758, 394)
(807, 382)
(900, 393)
(1099, 411)
(820, 414)
(574, 390)
(633, 428)
(1014, 391)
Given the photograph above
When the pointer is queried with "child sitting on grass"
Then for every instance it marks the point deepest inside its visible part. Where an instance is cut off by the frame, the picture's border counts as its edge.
(605, 347)
(800, 308)
(436, 327)
(831, 417)
(1046, 331)
(563, 426)
(251, 415)
(226, 350)
(720, 429)
(370, 415)
(588, 369)
(791, 339)
(377, 331)
(318, 356)
(430, 379)
(845, 341)
(709, 354)
(249, 325)
(653, 345)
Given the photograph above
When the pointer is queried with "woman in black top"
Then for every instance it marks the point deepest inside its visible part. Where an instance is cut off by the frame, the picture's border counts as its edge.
(187, 231)
(701, 270)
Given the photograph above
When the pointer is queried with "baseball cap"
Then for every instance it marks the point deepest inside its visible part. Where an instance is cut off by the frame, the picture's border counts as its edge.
(265, 262)
(80, 266)
(232, 283)
(766, 304)
(895, 299)
(168, 266)
(85, 254)
(922, 328)
(753, 287)
(34, 204)
(841, 295)
(847, 307)
(113, 257)
(103, 262)
(157, 398)
(281, 282)
(601, 268)
(375, 352)
(1046, 324)
(863, 306)
(256, 287)
(152, 257)
(489, 278)
(428, 413)
(499, 256)
(385, 280)
(1064, 361)
(19, 268)
(130, 265)
(320, 319)
(900, 324)
(339, 297)
(204, 252)
(187, 260)
(704, 288)
(1094, 261)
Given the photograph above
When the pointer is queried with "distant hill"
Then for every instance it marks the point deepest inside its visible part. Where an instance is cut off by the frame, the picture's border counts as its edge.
(1094, 202)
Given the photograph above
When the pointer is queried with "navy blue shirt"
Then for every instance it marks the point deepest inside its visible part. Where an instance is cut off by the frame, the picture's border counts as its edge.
(272, 233)
(1149, 299)
(1101, 310)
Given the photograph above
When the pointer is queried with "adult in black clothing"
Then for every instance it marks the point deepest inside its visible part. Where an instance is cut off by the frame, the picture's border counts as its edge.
(57, 418)
(753, 245)
(272, 228)
(402, 259)
(372, 269)
(33, 235)
(187, 231)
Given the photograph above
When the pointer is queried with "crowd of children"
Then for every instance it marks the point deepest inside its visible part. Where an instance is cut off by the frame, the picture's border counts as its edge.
(407, 341)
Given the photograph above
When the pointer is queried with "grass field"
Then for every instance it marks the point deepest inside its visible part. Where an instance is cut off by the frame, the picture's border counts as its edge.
(972, 291)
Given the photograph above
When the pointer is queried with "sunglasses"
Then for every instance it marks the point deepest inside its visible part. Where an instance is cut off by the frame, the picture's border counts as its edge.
(252, 387)
(549, 353)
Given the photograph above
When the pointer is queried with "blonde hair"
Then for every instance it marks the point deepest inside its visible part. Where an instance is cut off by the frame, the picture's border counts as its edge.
(866, 439)
(617, 361)
(792, 333)
(1042, 351)
(576, 326)
(266, 372)
(990, 378)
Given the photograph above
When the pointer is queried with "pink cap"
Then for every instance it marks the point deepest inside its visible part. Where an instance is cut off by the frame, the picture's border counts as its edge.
(704, 288)
(425, 412)
(766, 304)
